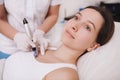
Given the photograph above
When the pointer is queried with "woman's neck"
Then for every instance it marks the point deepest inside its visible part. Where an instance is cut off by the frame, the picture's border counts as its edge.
(67, 54)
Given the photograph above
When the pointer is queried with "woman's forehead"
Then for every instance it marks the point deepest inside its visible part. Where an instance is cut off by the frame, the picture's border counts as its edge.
(90, 11)
(92, 15)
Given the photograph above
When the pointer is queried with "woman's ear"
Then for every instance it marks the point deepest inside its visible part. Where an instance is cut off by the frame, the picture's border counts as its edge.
(96, 45)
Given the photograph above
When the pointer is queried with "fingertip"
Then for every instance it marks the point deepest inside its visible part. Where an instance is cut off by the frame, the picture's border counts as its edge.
(42, 50)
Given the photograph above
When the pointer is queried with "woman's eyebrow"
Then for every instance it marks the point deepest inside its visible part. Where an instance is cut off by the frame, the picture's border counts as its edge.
(92, 24)
(79, 13)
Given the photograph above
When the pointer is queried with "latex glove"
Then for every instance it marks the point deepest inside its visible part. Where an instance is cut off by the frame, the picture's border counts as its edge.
(23, 42)
(38, 37)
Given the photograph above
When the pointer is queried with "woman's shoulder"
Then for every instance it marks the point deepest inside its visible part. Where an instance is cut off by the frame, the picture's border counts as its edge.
(66, 73)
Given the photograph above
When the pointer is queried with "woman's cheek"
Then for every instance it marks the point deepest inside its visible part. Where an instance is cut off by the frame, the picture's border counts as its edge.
(84, 39)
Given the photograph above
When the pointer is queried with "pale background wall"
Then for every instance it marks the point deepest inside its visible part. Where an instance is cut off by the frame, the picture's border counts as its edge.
(72, 6)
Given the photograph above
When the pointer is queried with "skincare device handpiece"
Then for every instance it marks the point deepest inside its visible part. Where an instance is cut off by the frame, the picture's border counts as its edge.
(28, 32)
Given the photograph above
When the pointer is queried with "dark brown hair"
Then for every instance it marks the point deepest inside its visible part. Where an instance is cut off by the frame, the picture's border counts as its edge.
(107, 29)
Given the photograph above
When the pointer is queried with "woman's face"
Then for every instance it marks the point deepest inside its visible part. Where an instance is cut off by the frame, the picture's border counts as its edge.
(80, 32)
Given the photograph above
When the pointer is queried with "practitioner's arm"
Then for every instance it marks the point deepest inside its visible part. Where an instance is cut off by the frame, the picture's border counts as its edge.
(6, 28)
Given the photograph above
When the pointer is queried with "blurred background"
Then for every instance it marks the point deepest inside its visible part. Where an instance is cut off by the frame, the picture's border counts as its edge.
(70, 7)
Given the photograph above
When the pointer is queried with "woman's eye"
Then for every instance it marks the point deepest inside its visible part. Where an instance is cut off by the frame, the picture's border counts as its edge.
(88, 28)
(75, 17)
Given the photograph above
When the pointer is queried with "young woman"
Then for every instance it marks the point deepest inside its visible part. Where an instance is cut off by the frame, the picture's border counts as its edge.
(86, 31)
(41, 15)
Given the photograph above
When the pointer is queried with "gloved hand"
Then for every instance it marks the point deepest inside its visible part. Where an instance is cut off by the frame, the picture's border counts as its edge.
(23, 42)
(38, 37)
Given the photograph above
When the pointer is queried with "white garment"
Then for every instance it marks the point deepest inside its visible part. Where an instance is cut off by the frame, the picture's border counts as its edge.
(35, 12)
(24, 66)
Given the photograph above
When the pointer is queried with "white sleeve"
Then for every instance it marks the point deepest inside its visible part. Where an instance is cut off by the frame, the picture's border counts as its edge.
(1, 2)
(56, 2)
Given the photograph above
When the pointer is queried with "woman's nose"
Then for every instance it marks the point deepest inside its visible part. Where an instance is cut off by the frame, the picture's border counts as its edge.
(75, 29)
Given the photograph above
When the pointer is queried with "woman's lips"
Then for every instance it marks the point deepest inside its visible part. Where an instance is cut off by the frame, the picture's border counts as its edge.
(69, 34)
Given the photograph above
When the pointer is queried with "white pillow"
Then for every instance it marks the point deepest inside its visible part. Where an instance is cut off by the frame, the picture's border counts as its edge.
(102, 63)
